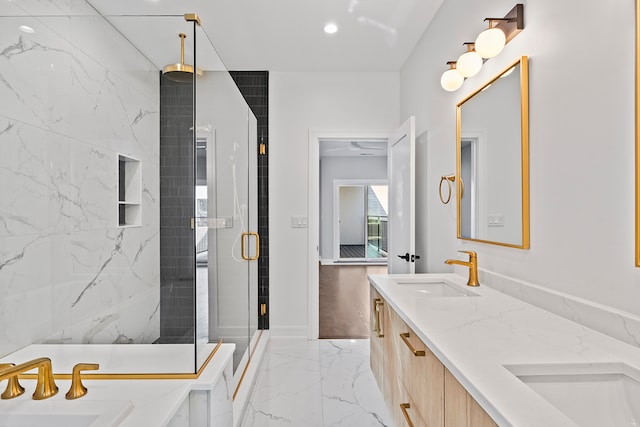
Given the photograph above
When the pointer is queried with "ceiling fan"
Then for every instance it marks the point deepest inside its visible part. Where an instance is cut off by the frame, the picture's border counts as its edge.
(355, 146)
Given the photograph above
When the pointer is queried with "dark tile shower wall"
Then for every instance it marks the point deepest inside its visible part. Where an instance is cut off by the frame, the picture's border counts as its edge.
(177, 200)
(254, 86)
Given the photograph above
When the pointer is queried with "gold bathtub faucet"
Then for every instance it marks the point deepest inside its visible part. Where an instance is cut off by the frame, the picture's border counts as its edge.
(472, 264)
(46, 386)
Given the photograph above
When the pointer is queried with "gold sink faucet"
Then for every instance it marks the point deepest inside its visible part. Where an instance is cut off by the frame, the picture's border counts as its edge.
(472, 264)
(46, 386)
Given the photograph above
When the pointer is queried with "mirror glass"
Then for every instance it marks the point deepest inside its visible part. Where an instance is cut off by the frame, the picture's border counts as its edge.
(637, 133)
(492, 173)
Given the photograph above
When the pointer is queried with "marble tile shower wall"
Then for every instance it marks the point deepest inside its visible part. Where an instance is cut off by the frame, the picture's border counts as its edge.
(73, 95)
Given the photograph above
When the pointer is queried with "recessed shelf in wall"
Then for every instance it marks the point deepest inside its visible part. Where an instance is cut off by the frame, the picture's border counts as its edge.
(129, 191)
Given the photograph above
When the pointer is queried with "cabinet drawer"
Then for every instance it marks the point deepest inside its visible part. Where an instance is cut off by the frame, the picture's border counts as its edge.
(408, 414)
(461, 410)
(421, 372)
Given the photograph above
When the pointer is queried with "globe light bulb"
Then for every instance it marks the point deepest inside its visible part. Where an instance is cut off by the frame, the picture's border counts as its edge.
(490, 42)
(451, 80)
(469, 64)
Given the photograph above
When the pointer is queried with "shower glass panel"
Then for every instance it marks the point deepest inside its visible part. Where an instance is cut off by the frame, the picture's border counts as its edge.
(230, 128)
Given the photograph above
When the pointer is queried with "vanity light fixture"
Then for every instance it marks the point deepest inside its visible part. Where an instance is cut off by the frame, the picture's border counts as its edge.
(451, 79)
(488, 44)
(469, 63)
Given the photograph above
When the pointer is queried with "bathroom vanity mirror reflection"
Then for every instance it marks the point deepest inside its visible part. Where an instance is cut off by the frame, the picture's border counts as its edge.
(492, 159)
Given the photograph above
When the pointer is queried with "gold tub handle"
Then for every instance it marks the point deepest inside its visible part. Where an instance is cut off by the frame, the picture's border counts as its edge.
(77, 389)
(405, 337)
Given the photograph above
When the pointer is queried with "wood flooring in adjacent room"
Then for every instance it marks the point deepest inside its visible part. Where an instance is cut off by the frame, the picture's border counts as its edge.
(344, 300)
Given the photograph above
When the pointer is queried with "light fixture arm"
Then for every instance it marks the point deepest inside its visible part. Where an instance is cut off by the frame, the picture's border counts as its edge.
(182, 37)
(511, 24)
(471, 46)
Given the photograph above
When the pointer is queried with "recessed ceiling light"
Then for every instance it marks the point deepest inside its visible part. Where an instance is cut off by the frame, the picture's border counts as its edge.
(330, 28)
(26, 29)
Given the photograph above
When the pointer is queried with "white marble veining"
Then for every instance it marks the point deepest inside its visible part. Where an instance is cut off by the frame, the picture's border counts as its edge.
(476, 337)
(316, 383)
(75, 94)
(619, 324)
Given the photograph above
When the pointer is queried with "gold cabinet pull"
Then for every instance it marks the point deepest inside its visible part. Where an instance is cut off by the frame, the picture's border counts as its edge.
(405, 337)
(245, 236)
(378, 303)
(376, 320)
(403, 408)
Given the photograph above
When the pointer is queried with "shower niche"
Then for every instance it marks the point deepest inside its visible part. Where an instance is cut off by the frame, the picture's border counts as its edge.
(129, 191)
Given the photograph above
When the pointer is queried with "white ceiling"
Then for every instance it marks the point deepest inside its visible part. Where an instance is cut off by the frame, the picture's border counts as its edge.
(353, 148)
(282, 35)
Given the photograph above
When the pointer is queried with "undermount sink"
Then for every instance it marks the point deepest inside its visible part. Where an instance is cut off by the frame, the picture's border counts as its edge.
(603, 394)
(434, 287)
(63, 413)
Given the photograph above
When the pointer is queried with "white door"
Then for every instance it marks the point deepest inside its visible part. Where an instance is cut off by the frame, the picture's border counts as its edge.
(401, 158)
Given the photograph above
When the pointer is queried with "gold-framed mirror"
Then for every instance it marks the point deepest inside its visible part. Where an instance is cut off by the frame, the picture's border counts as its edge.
(492, 160)
(637, 113)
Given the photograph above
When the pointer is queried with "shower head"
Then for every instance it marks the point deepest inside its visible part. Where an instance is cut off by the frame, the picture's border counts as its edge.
(180, 72)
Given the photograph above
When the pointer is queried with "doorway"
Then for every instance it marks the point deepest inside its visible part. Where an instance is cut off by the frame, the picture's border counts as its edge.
(320, 239)
(360, 221)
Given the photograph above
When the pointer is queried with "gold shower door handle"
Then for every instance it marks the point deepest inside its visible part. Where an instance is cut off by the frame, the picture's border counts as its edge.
(245, 237)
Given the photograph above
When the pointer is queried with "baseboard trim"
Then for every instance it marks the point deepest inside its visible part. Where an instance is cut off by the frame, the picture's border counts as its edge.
(288, 331)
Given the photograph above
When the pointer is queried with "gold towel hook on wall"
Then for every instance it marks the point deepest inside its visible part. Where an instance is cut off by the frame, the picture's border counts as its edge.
(449, 179)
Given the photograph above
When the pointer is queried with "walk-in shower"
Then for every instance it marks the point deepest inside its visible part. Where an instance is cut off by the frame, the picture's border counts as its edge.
(118, 217)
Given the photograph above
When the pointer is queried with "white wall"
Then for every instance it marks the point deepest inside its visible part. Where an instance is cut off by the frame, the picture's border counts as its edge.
(332, 168)
(581, 136)
(75, 94)
(298, 103)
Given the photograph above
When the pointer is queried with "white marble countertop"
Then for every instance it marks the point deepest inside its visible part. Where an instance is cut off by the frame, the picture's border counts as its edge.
(475, 337)
(136, 402)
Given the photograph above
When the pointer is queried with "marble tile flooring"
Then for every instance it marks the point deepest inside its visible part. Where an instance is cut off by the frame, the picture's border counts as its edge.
(316, 383)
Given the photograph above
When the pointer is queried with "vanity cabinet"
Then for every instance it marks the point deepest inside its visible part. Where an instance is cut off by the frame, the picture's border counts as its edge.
(417, 388)
(461, 410)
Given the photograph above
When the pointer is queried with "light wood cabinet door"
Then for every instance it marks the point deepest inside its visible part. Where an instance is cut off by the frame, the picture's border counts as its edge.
(460, 409)
(422, 374)
(376, 336)
(409, 414)
(393, 391)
